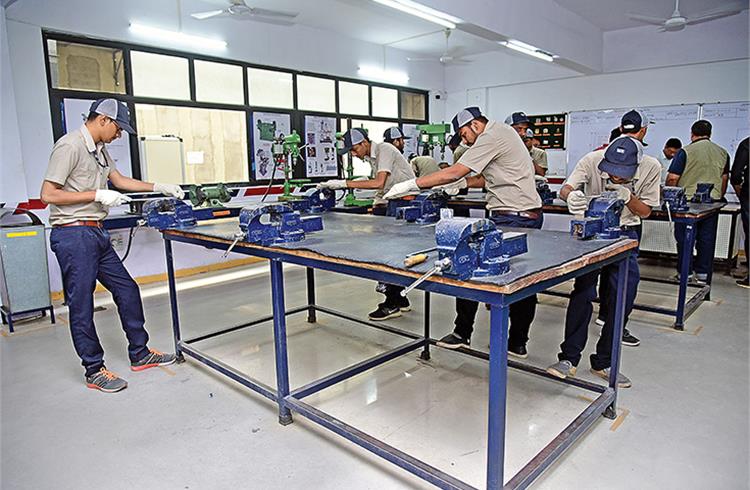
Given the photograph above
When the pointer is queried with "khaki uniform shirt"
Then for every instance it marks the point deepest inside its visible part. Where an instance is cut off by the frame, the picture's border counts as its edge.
(78, 165)
(539, 157)
(592, 181)
(460, 150)
(384, 157)
(424, 165)
(502, 158)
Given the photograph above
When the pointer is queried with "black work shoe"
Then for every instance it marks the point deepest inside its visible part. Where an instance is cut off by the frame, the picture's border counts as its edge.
(453, 341)
(403, 304)
(744, 283)
(106, 381)
(384, 312)
(629, 339)
(518, 351)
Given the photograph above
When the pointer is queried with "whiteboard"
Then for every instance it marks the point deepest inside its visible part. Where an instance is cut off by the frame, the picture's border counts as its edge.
(588, 130)
(730, 124)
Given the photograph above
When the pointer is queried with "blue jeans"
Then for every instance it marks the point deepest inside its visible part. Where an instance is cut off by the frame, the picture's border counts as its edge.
(85, 255)
(521, 312)
(705, 244)
(580, 308)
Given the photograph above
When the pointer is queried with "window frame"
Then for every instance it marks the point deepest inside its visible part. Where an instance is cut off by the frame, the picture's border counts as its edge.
(57, 95)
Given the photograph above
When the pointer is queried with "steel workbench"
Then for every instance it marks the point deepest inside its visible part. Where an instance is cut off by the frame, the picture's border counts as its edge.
(342, 247)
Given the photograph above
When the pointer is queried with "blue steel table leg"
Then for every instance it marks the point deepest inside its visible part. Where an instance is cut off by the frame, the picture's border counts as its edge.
(497, 391)
(425, 354)
(173, 300)
(614, 369)
(687, 258)
(279, 340)
(311, 317)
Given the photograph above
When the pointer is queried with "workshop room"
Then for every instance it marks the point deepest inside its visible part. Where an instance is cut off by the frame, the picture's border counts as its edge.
(374, 244)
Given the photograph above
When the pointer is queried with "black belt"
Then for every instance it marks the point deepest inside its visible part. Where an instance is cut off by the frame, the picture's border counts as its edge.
(530, 214)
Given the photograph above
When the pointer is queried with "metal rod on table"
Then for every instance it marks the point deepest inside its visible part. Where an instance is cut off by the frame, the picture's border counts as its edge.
(439, 266)
(311, 318)
(497, 393)
(279, 340)
(173, 300)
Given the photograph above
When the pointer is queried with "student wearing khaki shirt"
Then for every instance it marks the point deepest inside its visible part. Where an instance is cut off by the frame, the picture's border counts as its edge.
(538, 156)
(636, 178)
(424, 165)
(391, 168)
(75, 187)
(504, 168)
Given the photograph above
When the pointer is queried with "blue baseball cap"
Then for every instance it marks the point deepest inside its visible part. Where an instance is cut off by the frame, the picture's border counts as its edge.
(353, 137)
(394, 133)
(632, 121)
(517, 118)
(115, 110)
(622, 157)
(465, 116)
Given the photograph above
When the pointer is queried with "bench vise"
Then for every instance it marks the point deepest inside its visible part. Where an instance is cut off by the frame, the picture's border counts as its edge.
(315, 200)
(547, 195)
(673, 199)
(272, 223)
(703, 193)
(601, 220)
(168, 213)
(423, 209)
(474, 247)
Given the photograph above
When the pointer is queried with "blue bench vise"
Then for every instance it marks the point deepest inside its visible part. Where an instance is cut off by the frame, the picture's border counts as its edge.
(423, 209)
(168, 213)
(474, 247)
(673, 199)
(601, 220)
(273, 223)
(547, 195)
(315, 201)
(703, 193)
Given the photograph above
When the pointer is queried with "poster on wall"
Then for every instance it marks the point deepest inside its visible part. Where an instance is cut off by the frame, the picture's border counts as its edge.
(320, 146)
(410, 145)
(75, 112)
(267, 126)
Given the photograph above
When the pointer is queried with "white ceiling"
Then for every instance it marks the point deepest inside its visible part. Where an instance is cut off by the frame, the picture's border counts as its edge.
(611, 15)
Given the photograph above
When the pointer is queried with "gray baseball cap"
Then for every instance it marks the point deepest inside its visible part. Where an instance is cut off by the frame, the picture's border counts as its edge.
(465, 116)
(115, 110)
(352, 137)
(394, 133)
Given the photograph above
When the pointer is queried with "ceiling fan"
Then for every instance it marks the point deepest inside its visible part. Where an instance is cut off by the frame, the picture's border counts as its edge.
(239, 10)
(449, 57)
(677, 21)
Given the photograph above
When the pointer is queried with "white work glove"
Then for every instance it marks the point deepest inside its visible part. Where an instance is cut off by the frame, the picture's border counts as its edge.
(540, 178)
(453, 188)
(622, 192)
(402, 189)
(173, 190)
(577, 202)
(334, 184)
(111, 198)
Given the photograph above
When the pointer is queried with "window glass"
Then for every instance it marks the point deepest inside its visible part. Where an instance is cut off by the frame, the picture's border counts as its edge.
(354, 99)
(161, 76)
(267, 88)
(384, 102)
(316, 94)
(412, 105)
(218, 82)
(83, 67)
(214, 143)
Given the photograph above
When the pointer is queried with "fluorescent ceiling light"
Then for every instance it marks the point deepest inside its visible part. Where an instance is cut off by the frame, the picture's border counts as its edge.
(177, 37)
(419, 10)
(528, 49)
(381, 74)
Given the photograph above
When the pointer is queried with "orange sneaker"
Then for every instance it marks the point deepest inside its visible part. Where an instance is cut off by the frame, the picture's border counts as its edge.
(106, 381)
(153, 359)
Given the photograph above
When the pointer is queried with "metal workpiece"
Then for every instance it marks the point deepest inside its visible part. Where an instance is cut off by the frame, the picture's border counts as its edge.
(601, 220)
(373, 247)
(423, 209)
(274, 223)
(168, 213)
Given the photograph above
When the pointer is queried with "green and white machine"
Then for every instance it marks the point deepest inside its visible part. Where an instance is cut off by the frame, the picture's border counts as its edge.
(285, 153)
(351, 199)
(432, 136)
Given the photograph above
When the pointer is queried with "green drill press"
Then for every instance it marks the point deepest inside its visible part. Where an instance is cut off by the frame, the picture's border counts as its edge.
(285, 154)
(351, 199)
(432, 136)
